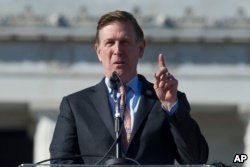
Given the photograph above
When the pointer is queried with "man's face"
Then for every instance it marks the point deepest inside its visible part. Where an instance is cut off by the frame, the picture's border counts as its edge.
(119, 50)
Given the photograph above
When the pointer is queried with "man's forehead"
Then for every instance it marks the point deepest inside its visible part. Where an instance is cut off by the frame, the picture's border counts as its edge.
(117, 29)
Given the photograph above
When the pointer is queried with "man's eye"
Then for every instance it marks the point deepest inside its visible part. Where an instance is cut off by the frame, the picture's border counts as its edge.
(125, 42)
(109, 43)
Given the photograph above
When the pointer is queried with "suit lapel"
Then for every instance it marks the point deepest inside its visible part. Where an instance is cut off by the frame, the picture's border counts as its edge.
(101, 103)
(147, 101)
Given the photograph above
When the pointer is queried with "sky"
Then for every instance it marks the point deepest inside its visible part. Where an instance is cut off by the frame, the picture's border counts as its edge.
(174, 8)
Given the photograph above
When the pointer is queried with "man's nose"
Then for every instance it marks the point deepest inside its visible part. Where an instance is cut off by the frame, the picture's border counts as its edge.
(117, 48)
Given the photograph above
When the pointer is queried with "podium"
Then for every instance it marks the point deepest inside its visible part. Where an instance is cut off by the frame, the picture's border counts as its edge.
(68, 165)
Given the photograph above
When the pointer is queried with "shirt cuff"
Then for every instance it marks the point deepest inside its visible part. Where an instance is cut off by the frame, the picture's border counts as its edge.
(172, 109)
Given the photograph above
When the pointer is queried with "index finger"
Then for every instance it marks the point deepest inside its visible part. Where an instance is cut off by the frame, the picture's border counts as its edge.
(161, 60)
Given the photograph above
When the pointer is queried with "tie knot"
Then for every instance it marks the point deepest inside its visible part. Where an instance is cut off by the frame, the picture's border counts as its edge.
(125, 89)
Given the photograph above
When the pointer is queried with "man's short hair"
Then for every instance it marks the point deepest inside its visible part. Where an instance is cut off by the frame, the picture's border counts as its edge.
(119, 16)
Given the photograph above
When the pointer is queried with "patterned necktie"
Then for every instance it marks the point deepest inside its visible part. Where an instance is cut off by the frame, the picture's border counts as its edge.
(127, 127)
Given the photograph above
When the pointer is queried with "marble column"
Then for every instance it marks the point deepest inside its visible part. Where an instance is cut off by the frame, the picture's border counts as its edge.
(43, 135)
(245, 115)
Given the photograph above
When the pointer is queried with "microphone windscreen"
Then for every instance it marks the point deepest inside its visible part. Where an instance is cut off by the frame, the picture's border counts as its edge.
(114, 81)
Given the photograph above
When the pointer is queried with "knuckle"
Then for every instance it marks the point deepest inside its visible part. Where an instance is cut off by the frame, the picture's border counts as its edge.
(163, 69)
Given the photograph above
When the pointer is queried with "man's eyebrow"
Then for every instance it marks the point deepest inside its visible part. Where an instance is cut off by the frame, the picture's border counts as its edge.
(109, 39)
(127, 37)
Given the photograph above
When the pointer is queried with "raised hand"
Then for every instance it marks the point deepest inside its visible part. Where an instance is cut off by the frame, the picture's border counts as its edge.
(165, 84)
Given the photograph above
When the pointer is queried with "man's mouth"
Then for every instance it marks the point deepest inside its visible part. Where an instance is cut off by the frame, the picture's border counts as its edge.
(119, 62)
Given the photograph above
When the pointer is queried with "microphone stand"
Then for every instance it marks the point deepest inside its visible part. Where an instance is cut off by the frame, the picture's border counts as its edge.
(120, 104)
(118, 123)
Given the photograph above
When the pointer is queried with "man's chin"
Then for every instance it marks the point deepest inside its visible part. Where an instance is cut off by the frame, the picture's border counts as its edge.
(120, 72)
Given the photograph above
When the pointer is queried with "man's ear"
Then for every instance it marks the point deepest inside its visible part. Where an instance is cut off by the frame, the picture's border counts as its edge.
(142, 46)
(98, 52)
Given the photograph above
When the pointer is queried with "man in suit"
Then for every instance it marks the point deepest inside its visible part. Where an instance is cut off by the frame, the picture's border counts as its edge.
(162, 129)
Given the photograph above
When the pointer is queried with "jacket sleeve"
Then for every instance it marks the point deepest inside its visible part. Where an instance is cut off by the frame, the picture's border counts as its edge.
(191, 145)
(64, 143)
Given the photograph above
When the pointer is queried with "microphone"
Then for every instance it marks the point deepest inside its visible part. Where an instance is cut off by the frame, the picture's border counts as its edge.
(115, 81)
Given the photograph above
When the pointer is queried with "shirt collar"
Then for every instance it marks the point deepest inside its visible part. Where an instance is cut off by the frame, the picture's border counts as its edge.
(134, 84)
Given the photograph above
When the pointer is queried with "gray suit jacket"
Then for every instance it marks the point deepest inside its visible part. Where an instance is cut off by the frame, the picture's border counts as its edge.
(85, 126)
